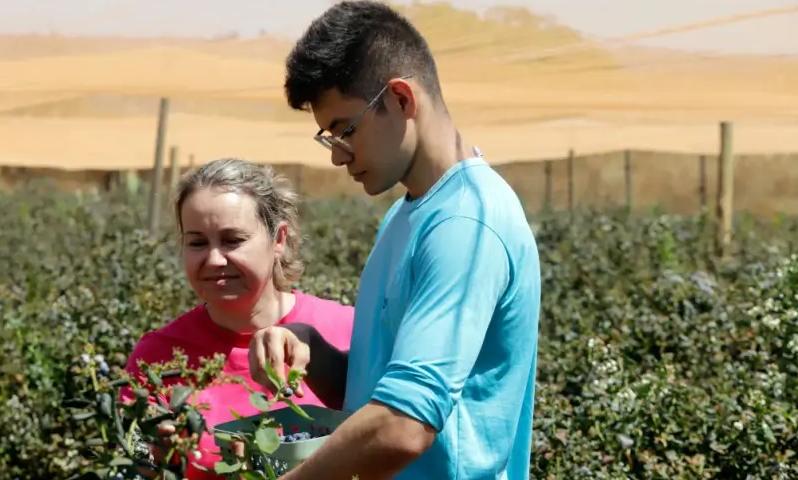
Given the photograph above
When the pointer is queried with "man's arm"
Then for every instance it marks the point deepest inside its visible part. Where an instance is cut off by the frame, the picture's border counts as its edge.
(326, 372)
(460, 272)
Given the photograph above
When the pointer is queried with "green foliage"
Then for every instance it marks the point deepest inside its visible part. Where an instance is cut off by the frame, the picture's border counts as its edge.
(264, 439)
(120, 433)
(123, 432)
(655, 359)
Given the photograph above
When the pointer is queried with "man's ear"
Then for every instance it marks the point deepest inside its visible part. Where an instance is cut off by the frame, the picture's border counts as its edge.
(405, 96)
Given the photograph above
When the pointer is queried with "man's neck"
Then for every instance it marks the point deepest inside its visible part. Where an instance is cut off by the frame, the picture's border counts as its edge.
(440, 147)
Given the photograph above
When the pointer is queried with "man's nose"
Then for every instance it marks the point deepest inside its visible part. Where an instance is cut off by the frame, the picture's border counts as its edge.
(339, 156)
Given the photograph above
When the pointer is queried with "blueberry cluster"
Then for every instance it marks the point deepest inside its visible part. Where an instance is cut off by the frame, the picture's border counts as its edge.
(297, 436)
(102, 367)
(278, 467)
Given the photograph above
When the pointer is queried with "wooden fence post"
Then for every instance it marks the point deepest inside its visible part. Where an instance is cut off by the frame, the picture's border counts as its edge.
(571, 179)
(627, 174)
(725, 191)
(154, 207)
(174, 169)
(702, 183)
(547, 186)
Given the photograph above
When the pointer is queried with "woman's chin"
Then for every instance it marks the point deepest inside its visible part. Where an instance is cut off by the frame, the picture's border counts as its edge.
(222, 298)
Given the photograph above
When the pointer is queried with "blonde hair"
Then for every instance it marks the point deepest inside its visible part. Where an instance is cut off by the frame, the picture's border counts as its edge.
(276, 203)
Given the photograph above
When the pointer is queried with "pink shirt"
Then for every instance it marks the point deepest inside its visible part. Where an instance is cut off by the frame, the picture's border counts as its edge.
(198, 336)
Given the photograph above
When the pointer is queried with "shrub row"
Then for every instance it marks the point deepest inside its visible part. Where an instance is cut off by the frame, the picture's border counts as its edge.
(656, 360)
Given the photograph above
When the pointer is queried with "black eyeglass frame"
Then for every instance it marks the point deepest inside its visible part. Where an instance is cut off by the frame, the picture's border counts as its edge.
(328, 141)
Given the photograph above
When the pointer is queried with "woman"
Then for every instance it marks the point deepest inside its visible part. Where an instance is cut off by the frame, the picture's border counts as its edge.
(239, 233)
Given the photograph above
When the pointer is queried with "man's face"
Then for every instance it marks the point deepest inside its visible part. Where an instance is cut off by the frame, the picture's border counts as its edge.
(381, 146)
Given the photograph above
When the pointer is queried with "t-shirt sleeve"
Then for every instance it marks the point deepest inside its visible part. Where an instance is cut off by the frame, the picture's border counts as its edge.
(460, 272)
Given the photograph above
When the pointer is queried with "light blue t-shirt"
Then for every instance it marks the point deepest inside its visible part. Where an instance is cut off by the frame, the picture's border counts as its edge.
(446, 325)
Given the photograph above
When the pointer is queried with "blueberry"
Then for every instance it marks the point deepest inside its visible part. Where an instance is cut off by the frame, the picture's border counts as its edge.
(288, 391)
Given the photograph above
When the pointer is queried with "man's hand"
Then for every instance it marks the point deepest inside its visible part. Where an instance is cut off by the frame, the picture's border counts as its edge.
(277, 346)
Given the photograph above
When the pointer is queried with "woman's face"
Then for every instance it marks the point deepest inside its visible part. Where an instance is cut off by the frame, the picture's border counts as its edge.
(228, 254)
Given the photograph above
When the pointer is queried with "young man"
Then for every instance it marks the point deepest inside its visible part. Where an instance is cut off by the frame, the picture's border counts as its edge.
(440, 378)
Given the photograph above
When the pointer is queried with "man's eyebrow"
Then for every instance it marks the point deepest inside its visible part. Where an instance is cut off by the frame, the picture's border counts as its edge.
(337, 122)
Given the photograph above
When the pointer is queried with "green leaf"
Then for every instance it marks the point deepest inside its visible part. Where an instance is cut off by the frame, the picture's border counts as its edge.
(105, 404)
(121, 382)
(267, 440)
(272, 374)
(124, 444)
(270, 472)
(81, 416)
(195, 421)
(236, 415)
(260, 401)
(223, 436)
(121, 462)
(768, 433)
(295, 377)
(296, 409)
(95, 442)
(180, 394)
(76, 403)
(252, 475)
(142, 394)
(154, 379)
(224, 467)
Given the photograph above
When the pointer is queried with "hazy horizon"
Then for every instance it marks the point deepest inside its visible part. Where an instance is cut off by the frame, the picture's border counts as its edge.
(770, 35)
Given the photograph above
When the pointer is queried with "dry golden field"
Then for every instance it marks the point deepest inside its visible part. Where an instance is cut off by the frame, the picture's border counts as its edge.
(521, 88)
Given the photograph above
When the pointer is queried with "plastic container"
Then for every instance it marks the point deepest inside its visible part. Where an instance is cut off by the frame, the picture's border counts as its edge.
(289, 455)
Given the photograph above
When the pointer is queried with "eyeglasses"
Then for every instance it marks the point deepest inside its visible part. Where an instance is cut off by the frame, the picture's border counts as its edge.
(330, 140)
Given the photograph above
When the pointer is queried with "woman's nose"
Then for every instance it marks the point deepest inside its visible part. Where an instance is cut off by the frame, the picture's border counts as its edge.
(216, 258)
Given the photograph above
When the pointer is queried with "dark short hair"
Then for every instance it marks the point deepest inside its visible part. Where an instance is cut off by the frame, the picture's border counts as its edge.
(356, 47)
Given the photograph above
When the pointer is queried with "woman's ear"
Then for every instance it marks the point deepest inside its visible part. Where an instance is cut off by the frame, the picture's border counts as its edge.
(280, 240)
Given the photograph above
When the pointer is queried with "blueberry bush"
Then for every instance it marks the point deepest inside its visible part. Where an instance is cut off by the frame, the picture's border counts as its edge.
(656, 360)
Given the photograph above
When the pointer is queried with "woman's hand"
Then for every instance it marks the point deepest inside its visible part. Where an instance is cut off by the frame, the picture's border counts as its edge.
(278, 346)
(158, 456)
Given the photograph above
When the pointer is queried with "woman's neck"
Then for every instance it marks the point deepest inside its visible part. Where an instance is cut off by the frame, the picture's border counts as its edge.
(270, 308)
